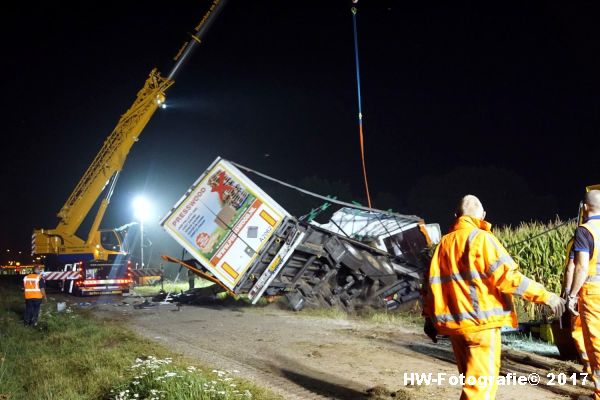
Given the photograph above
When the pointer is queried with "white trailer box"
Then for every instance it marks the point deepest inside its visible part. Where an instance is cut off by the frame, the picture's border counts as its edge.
(223, 221)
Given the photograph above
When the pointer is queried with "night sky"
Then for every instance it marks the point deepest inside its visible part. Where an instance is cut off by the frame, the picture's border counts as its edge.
(501, 102)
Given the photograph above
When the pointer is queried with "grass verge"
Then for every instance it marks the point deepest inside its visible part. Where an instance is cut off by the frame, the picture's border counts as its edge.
(404, 317)
(74, 356)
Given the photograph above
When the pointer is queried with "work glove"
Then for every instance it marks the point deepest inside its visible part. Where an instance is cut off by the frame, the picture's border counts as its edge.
(572, 305)
(430, 330)
(557, 305)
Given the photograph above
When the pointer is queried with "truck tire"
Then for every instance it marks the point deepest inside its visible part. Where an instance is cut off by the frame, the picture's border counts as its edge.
(295, 300)
(374, 269)
(344, 253)
(351, 257)
(386, 265)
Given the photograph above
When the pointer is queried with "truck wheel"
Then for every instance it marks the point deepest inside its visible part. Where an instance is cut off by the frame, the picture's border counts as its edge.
(386, 265)
(374, 269)
(295, 300)
(351, 258)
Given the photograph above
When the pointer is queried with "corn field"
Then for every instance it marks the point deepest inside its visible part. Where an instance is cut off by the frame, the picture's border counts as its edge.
(541, 258)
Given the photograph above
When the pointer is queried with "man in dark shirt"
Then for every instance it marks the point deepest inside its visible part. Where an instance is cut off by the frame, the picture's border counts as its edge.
(575, 320)
(583, 240)
(584, 294)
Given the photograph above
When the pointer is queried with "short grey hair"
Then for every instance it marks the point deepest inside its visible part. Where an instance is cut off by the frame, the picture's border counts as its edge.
(592, 199)
(471, 206)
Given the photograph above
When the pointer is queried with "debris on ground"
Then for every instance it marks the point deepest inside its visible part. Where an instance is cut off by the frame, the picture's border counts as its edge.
(145, 304)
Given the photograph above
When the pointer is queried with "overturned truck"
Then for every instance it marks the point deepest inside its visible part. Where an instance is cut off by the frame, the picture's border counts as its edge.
(246, 243)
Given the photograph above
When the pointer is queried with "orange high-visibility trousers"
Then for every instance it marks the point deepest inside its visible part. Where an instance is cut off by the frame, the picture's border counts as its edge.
(577, 335)
(589, 309)
(478, 355)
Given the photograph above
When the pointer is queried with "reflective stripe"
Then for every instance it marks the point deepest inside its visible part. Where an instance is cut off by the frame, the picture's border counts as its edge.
(458, 276)
(494, 243)
(502, 260)
(471, 315)
(472, 235)
(491, 364)
(472, 289)
(593, 227)
(474, 298)
(523, 286)
(467, 275)
(32, 286)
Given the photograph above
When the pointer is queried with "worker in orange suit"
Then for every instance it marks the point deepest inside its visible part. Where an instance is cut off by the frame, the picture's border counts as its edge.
(34, 289)
(584, 294)
(468, 296)
(575, 320)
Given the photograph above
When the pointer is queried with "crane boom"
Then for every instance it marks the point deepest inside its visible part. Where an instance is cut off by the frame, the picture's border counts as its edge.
(112, 155)
(110, 160)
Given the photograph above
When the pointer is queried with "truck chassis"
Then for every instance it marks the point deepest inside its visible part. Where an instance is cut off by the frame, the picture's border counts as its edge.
(311, 266)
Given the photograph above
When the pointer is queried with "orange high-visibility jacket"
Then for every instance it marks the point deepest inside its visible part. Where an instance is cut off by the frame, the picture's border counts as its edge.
(593, 225)
(31, 283)
(472, 279)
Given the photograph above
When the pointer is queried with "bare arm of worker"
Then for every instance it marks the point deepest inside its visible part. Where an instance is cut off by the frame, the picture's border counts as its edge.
(569, 273)
(582, 261)
(44, 294)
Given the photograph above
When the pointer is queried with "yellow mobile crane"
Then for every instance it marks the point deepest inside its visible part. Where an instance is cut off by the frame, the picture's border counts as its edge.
(61, 245)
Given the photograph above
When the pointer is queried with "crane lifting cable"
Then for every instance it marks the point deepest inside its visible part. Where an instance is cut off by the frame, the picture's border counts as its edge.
(360, 124)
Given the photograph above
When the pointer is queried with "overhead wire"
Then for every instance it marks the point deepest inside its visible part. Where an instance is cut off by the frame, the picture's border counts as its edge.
(542, 233)
(326, 198)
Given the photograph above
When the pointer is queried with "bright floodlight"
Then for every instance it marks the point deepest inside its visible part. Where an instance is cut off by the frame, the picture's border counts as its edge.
(141, 208)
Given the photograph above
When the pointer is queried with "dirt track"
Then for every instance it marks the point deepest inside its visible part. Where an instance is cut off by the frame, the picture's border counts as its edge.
(304, 357)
